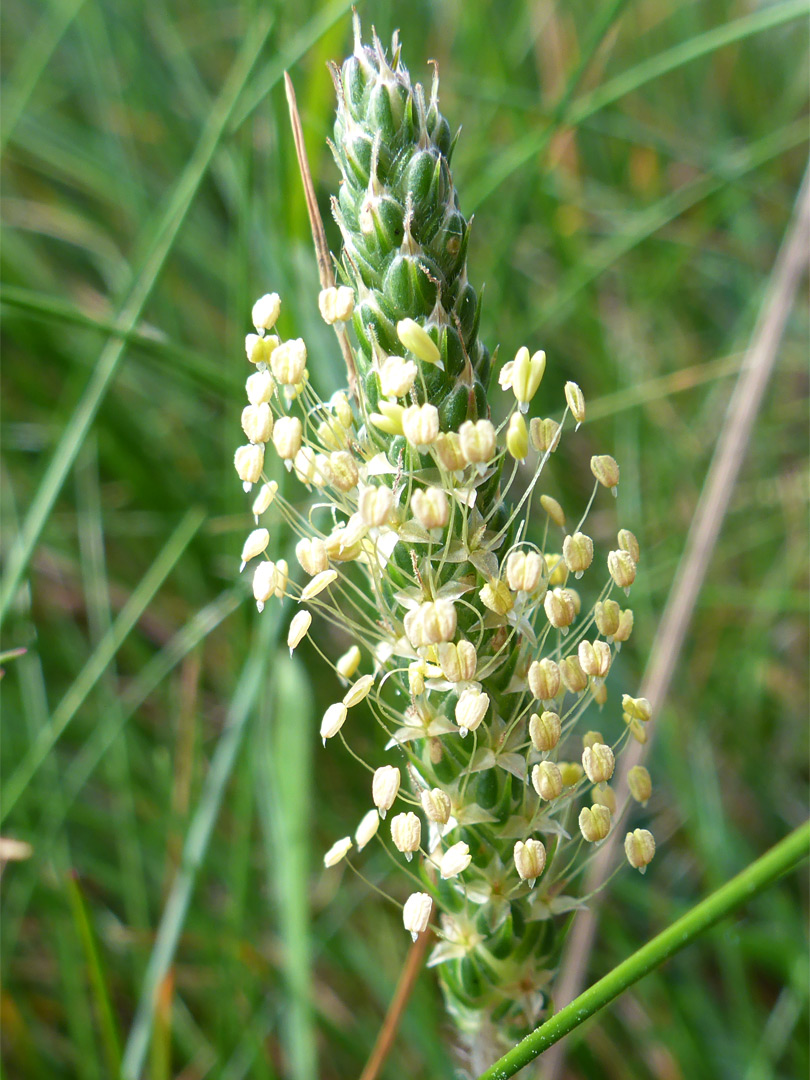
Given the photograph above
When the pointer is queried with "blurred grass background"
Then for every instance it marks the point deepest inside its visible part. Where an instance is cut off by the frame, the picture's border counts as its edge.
(632, 167)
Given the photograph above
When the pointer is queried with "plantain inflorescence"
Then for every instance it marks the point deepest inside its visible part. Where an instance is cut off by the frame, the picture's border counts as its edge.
(469, 644)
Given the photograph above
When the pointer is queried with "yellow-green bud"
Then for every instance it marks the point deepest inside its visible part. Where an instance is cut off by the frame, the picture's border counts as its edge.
(594, 823)
(417, 340)
(553, 509)
(639, 847)
(640, 784)
(497, 596)
(571, 773)
(517, 437)
(598, 763)
(604, 795)
(578, 553)
(544, 731)
(530, 860)
(390, 417)
(557, 570)
(591, 737)
(526, 376)
(637, 708)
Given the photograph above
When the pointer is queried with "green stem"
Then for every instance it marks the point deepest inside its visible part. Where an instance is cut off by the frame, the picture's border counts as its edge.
(756, 877)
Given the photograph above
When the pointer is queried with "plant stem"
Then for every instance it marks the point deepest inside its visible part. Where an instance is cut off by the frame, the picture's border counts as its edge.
(756, 877)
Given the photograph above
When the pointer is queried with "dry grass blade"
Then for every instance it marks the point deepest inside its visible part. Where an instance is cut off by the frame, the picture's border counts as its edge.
(316, 224)
(709, 516)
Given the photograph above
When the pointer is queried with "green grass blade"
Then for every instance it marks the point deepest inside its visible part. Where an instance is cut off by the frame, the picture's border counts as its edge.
(756, 877)
(249, 687)
(285, 760)
(524, 150)
(79, 424)
(99, 659)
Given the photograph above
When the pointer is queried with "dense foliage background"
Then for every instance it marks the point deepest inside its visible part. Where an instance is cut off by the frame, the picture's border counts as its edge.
(632, 167)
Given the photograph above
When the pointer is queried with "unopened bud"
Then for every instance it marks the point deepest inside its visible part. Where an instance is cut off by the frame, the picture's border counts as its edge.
(576, 401)
(417, 340)
(544, 679)
(416, 913)
(594, 823)
(547, 780)
(598, 763)
(416, 677)
(259, 349)
(384, 787)
(544, 731)
(406, 832)
(530, 860)
(639, 847)
(389, 418)
(606, 470)
(571, 773)
(436, 805)
(454, 860)
(517, 437)
(578, 553)
(640, 784)
(553, 509)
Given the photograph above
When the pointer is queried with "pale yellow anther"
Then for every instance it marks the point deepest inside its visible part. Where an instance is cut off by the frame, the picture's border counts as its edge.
(406, 833)
(263, 501)
(574, 678)
(457, 661)
(255, 544)
(455, 860)
(389, 418)
(260, 349)
(343, 471)
(338, 851)
(526, 376)
(367, 829)
(336, 304)
(530, 860)
(544, 434)
(257, 422)
(604, 795)
(622, 568)
(477, 439)
(417, 340)
(544, 679)
(553, 509)
(625, 626)
(333, 720)
(638, 708)
(598, 763)
(559, 608)
(578, 553)
(430, 507)
(299, 625)
(497, 596)
(375, 505)
(594, 659)
(471, 708)
(629, 543)
(264, 582)
(606, 615)
(639, 847)
(436, 805)
(556, 569)
(311, 554)
(397, 376)
(318, 584)
(430, 623)
(384, 787)
(288, 361)
(547, 780)
(576, 401)
(420, 425)
(249, 462)
(606, 470)
(524, 571)
(640, 784)
(416, 677)
(545, 731)
(594, 823)
(259, 387)
(266, 311)
(359, 691)
(282, 579)
(416, 913)
(287, 435)
(447, 449)
(349, 662)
